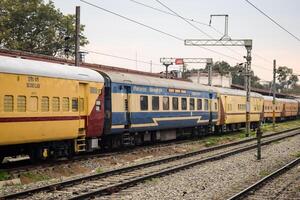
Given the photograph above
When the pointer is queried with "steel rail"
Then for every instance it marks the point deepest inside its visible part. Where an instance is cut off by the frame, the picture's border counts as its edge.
(125, 184)
(246, 192)
(119, 186)
(25, 165)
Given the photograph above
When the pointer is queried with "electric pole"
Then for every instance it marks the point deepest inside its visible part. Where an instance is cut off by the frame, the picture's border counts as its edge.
(227, 41)
(209, 65)
(248, 90)
(248, 45)
(274, 92)
(77, 36)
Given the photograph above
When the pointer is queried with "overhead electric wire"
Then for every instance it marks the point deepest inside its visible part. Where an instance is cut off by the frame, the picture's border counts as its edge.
(191, 20)
(169, 13)
(160, 31)
(132, 20)
(175, 13)
(270, 18)
(121, 57)
(263, 58)
(183, 18)
(196, 27)
(152, 28)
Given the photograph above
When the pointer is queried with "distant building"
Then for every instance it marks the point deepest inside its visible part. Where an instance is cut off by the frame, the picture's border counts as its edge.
(217, 79)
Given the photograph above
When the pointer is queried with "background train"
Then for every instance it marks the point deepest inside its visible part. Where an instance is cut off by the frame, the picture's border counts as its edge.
(51, 110)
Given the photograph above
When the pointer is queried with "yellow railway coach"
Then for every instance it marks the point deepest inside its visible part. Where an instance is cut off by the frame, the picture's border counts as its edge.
(232, 112)
(48, 110)
(284, 108)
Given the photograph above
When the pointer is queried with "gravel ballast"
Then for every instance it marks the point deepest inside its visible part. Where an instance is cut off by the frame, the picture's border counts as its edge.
(219, 179)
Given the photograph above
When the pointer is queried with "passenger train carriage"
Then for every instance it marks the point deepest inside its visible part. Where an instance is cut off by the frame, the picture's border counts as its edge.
(232, 113)
(284, 109)
(48, 109)
(155, 108)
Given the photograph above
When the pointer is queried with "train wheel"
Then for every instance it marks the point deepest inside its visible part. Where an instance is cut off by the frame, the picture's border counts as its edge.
(1, 159)
(36, 155)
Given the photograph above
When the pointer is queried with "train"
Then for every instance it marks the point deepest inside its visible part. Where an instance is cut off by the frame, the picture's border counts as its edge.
(50, 110)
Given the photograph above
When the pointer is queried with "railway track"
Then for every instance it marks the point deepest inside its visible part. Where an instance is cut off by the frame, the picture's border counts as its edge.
(115, 180)
(16, 168)
(283, 183)
(26, 165)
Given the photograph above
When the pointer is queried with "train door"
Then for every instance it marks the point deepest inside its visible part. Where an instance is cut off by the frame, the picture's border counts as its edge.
(222, 111)
(127, 106)
(80, 104)
(211, 127)
(225, 109)
(283, 114)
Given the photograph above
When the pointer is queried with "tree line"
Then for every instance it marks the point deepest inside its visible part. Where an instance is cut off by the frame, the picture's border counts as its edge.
(38, 27)
(286, 80)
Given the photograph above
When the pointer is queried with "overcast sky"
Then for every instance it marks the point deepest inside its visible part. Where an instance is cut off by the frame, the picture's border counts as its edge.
(113, 35)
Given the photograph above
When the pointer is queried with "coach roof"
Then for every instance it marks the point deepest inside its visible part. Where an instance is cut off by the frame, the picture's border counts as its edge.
(269, 98)
(37, 68)
(137, 79)
(235, 92)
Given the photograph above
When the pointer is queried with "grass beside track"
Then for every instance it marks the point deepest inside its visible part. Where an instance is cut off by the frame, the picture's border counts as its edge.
(4, 176)
(266, 128)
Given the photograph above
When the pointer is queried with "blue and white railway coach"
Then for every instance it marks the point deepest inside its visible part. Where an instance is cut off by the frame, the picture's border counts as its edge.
(143, 108)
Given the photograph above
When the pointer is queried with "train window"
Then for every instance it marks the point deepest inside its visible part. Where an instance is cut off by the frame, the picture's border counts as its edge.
(81, 104)
(206, 104)
(199, 104)
(45, 104)
(183, 104)
(155, 103)
(21, 104)
(33, 104)
(55, 104)
(166, 103)
(65, 104)
(229, 107)
(175, 103)
(192, 104)
(75, 104)
(8, 103)
(144, 102)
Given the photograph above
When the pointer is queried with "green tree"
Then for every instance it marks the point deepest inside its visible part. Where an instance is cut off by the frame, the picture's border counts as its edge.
(237, 73)
(286, 78)
(37, 27)
(221, 67)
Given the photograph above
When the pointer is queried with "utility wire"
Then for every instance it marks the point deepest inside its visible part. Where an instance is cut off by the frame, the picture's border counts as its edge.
(131, 20)
(158, 1)
(184, 19)
(262, 12)
(196, 27)
(162, 32)
(169, 13)
(195, 21)
(263, 58)
(154, 29)
(120, 57)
